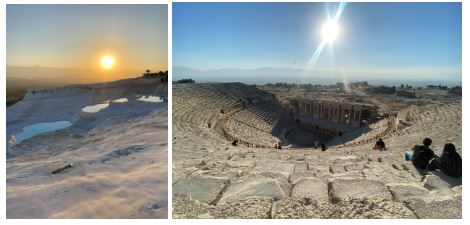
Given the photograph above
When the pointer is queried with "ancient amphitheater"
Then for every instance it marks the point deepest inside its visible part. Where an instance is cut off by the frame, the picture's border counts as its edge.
(233, 158)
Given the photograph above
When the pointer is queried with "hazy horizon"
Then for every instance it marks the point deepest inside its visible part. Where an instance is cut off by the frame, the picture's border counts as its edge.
(388, 41)
(65, 75)
(67, 43)
(292, 75)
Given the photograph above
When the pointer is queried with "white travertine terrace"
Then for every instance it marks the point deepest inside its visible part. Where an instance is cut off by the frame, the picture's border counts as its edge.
(108, 164)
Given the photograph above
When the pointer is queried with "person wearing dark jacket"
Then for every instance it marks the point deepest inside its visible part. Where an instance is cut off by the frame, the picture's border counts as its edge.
(323, 147)
(379, 145)
(422, 154)
(449, 162)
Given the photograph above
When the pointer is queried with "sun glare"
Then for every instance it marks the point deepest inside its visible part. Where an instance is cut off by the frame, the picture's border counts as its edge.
(107, 62)
(330, 31)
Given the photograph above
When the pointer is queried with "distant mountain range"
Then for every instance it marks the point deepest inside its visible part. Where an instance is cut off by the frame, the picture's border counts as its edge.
(293, 75)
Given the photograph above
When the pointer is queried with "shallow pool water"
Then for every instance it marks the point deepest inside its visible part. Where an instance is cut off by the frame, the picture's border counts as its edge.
(120, 100)
(151, 98)
(95, 108)
(40, 128)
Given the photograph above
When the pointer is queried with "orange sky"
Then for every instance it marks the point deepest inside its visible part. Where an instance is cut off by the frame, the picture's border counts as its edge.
(68, 41)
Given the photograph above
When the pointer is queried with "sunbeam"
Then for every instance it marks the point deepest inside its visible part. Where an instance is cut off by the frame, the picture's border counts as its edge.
(329, 33)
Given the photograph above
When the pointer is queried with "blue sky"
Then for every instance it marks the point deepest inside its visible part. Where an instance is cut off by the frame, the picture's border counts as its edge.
(423, 40)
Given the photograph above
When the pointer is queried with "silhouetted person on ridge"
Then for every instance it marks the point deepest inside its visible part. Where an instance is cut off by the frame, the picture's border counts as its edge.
(323, 147)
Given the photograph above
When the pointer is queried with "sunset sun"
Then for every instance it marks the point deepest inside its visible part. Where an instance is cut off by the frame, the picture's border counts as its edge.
(107, 61)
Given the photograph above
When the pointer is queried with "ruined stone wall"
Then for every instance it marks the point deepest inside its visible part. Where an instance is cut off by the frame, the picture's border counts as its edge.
(338, 112)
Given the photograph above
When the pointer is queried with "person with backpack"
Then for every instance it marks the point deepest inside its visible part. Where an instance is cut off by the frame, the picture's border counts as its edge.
(421, 154)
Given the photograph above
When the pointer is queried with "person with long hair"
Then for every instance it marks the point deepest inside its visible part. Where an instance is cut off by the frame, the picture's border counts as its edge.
(450, 162)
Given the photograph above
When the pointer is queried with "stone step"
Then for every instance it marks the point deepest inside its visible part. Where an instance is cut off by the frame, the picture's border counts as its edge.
(202, 188)
(352, 188)
(403, 192)
(436, 209)
(312, 188)
(306, 174)
(252, 187)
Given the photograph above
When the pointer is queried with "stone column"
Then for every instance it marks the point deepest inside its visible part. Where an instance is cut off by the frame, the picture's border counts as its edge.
(330, 112)
(360, 115)
(317, 105)
(353, 118)
(336, 112)
(311, 109)
(342, 114)
(305, 109)
(349, 114)
(315, 110)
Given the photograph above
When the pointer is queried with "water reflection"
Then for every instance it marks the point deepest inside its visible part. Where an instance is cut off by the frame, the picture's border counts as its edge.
(95, 108)
(39, 128)
(151, 98)
(120, 100)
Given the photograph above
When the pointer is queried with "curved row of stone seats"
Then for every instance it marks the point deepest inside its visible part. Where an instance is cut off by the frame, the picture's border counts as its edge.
(377, 129)
(427, 117)
(260, 124)
(250, 134)
(440, 122)
(263, 116)
(239, 90)
(196, 106)
(364, 135)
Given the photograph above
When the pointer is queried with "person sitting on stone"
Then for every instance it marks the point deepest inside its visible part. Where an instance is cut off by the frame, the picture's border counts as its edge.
(422, 154)
(449, 162)
(379, 145)
(323, 147)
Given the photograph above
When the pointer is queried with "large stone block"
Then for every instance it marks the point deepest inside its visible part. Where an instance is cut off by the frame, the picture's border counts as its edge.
(344, 188)
(252, 187)
(300, 166)
(318, 167)
(283, 168)
(277, 166)
(354, 167)
(389, 175)
(445, 209)
(403, 192)
(346, 159)
(337, 169)
(203, 189)
(281, 178)
(306, 174)
(310, 188)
